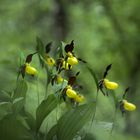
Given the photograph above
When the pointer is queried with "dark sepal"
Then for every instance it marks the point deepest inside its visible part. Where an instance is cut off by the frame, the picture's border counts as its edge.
(63, 95)
(69, 66)
(100, 87)
(107, 69)
(122, 108)
(81, 60)
(48, 47)
(69, 47)
(103, 92)
(53, 80)
(59, 63)
(22, 70)
(100, 84)
(71, 80)
(29, 57)
(126, 90)
(77, 73)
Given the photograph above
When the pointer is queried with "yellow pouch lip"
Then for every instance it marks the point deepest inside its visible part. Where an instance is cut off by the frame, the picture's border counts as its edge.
(71, 93)
(110, 85)
(128, 106)
(30, 70)
(72, 60)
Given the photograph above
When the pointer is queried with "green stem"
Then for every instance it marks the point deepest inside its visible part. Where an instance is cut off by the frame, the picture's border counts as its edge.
(113, 125)
(38, 97)
(47, 81)
(96, 98)
(58, 105)
(95, 109)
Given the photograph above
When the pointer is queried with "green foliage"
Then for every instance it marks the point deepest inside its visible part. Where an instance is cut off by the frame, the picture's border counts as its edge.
(40, 50)
(13, 129)
(4, 97)
(71, 122)
(52, 133)
(104, 32)
(21, 89)
(18, 104)
(44, 109)
(5, 109)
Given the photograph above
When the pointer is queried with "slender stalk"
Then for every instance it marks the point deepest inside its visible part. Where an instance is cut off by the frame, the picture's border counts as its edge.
(38, 97)
(47, 81)
(113, 125)
(58, 105)
(96, 99)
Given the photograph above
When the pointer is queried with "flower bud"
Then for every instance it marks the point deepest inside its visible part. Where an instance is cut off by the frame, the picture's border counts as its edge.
(50, 61)
(30, 70)
(110, 85)
(128, 106)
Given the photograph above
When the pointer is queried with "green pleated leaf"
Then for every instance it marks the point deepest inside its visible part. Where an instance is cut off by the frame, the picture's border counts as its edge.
(62, 46)
(44, 109)
(93, 75)
(72, 121)
(40, 49)
(5, 108)
(18, 104)
(5, 97)
(30, 120)
(21, 58)
(13, 129)
(40, 46)
(21, 89)
(52, 133)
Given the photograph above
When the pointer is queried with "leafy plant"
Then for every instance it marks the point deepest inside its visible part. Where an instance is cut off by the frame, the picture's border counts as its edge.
(64, 95)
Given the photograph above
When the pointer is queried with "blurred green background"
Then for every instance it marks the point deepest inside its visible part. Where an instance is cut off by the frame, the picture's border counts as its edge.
(104, 31)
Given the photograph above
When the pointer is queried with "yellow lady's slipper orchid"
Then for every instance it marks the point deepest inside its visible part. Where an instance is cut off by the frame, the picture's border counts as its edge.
(65, 65)
(72, 60)
(79, 98)
(71, 93)
(50, 61)
(30, 70)
(110, 85)
(128, 106)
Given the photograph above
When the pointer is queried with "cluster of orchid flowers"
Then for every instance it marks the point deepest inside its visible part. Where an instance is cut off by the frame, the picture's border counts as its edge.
(66, 63)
